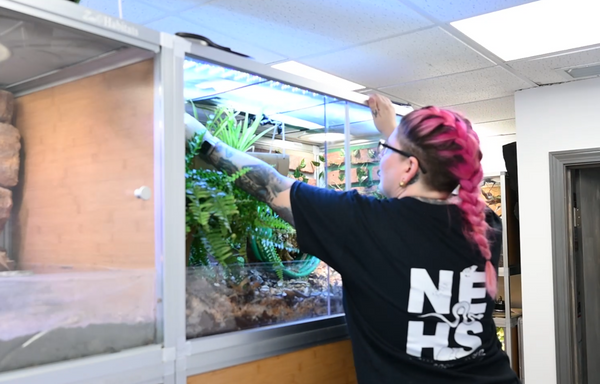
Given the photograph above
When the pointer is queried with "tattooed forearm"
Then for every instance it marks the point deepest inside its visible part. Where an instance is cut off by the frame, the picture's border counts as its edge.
(262, 181)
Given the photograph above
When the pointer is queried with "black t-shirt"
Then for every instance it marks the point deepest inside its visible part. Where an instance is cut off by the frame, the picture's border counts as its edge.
(414, 287)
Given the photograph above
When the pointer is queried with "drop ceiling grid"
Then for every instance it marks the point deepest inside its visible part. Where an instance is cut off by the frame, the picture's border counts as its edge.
(133, 10)
(173, 24)
(543, 70)
(307, 27)
(448, 11)
(490, 110)
(484, 84)
(396, 47)
(402, 59)
(495, 128)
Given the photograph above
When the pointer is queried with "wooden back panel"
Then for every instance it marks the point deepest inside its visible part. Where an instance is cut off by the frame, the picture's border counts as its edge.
(330, 364)
(87, 145)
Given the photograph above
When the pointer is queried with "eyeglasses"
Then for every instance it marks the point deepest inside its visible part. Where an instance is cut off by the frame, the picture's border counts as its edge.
(382, 145)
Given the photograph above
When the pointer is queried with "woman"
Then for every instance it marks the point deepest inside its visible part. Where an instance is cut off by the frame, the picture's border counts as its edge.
(419, 268)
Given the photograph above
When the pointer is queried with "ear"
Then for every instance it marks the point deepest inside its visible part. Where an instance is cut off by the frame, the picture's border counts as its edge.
(413, 168)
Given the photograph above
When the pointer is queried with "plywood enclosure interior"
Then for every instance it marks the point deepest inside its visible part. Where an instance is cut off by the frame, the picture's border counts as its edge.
(87, 145)
(331, 364)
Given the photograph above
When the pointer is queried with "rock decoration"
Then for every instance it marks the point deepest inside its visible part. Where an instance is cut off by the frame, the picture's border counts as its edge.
(7, 106)
(10, 147)
(5, 206)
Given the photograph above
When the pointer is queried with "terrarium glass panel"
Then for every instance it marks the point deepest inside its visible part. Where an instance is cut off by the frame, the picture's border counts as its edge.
(244, 266)
(77, 247)
(363, 170)
(30, 47)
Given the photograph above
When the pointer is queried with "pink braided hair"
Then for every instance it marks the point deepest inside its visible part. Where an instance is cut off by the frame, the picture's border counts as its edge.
(449, 149)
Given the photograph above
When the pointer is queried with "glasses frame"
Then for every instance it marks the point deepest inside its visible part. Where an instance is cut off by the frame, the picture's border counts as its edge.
(383, 144)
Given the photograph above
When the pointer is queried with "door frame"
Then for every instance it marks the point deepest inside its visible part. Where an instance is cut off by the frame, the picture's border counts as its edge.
(561, 212)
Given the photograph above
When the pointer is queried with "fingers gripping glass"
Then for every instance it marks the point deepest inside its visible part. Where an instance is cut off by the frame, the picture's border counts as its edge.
(382, 145)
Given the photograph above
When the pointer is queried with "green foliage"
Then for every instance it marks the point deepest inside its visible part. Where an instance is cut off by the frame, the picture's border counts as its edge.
(298, 173)
(211, 216)
(221, 217)
(271, 254)
(238, 134)
(362, 173)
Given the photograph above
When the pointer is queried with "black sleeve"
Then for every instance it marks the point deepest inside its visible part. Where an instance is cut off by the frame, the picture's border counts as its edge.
(330, 224)
(495, 236)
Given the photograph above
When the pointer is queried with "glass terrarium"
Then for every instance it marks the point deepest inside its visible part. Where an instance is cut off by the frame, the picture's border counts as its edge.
(78, 269)
(253, 275)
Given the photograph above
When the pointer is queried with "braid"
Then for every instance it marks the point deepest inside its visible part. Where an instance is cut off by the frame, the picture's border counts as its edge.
(447, 144)
(471, 204)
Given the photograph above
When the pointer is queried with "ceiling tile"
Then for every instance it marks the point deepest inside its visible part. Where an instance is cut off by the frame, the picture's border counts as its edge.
(496, 128)
(487, 110)
(175, 24)
(542, 71)
(414, 56)
(296, 28)
(175, 5)
(133, 10)
(483, 84)
(454, 10)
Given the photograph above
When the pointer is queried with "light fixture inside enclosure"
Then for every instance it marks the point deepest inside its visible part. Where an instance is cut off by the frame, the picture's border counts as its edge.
(294, 121)
(330, 137)
(307, 72)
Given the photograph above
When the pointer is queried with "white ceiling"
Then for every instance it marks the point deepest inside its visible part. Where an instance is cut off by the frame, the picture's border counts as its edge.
(405, 49)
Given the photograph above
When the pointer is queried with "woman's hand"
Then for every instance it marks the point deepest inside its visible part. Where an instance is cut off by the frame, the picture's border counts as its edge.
(384, 114)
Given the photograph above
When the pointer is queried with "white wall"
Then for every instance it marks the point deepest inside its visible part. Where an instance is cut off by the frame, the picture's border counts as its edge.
(554, 118)
(493, 160)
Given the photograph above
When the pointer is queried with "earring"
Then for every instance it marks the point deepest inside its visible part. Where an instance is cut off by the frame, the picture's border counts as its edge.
(402, 184)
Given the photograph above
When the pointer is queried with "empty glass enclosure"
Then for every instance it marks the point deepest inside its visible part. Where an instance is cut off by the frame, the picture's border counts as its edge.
(253, 275)
(77, 169)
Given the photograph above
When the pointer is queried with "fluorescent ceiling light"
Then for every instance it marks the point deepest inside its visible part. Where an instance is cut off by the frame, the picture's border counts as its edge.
(316, 75)
(295, 121)
(322, 137)
(537, 28)
(4, 53)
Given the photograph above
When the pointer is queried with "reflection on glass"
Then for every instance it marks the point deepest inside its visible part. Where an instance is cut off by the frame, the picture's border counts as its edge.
(36, 47)
(256, 276)
(245, 268)
(364, 168)
(77, 248)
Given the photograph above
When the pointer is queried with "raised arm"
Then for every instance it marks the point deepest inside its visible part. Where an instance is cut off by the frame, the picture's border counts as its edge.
(262, 181)
(384, 114)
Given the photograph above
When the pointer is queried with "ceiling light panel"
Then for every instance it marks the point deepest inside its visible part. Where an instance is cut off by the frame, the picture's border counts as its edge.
(535, 29)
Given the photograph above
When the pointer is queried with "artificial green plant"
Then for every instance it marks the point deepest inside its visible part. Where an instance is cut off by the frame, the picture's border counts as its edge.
(221, 217)
(223, 123)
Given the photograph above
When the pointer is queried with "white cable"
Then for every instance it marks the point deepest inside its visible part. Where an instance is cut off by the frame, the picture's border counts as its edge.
(283, 135)
(120, 9)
